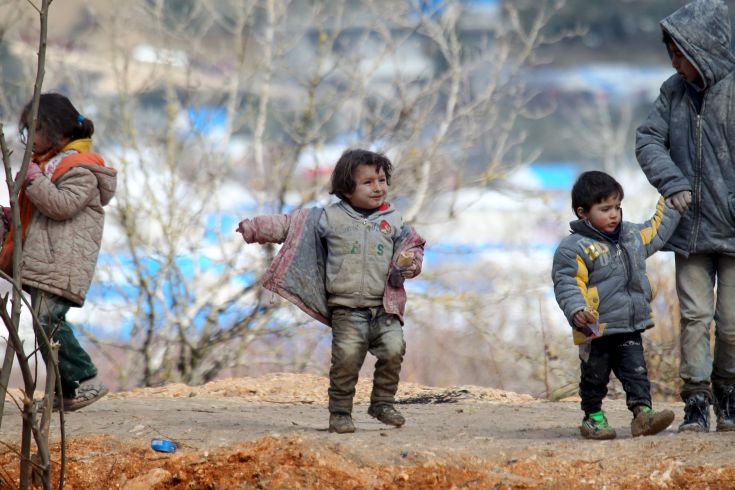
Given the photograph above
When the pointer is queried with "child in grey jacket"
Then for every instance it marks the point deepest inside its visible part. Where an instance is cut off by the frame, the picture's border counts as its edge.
(600, 283)
(345, 265)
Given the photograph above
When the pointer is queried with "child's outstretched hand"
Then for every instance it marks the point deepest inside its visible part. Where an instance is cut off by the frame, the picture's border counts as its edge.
(245, 230)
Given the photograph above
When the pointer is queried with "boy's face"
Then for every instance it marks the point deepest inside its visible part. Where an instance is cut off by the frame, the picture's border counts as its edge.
(683, 67)
(605, 215)
(371, 187)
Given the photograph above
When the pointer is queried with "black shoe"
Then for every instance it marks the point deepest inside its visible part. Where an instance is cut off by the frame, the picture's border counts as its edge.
(696, 414)
(724, 407)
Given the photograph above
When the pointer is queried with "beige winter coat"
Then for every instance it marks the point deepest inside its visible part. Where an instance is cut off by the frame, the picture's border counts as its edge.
(64, 235)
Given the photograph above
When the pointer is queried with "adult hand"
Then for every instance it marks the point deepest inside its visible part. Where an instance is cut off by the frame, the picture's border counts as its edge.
(680, 201)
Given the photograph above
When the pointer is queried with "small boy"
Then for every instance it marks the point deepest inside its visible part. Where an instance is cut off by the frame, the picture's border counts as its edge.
(600, 283)
(345, 265)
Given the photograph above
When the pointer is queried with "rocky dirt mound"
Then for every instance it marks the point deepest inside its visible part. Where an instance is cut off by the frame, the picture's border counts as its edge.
(310, 388)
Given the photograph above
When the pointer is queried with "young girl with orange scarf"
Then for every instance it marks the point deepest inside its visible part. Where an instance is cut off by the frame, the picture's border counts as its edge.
(62, 218)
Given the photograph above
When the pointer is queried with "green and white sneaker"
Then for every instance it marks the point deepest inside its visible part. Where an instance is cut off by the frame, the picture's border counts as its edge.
(595, 426)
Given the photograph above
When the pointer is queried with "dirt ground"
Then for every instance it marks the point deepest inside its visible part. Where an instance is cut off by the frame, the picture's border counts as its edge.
(271, 432)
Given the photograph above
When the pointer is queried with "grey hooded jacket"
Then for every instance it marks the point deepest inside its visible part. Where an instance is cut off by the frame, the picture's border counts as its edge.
(680, 149)
(591, 272)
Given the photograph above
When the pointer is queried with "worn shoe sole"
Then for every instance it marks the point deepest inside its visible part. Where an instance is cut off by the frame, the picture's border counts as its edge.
(396, 420)
(728, 427)
(348, 429)
(597, 435)
(656, 423)
(86, 395)
(692, 428)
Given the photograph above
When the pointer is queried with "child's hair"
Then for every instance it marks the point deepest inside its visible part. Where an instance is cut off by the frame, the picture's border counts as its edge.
(593, 187)
(342, 181)
(59, 118)
(666, 37)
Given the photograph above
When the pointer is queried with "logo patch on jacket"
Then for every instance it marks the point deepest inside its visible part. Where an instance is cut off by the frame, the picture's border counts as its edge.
(385, 228)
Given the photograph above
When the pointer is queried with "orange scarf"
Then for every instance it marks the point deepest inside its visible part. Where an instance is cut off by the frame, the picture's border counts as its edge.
(26, 206)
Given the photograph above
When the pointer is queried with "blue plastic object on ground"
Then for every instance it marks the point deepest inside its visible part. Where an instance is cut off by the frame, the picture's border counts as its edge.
(163, 445)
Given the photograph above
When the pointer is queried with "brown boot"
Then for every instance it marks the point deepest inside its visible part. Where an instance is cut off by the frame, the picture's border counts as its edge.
(647, 422)
(341, 423)
(387, 414)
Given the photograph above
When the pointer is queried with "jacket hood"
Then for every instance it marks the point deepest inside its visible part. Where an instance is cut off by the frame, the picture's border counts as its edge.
(107, 180)
(701, 29)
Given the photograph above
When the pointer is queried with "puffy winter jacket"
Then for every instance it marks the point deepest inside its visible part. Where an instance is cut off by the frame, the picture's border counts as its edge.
(679, 148)
(65, 232)
(591, 271)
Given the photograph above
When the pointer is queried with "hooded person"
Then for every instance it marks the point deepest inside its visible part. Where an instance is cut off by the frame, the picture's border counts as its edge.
(686, 148)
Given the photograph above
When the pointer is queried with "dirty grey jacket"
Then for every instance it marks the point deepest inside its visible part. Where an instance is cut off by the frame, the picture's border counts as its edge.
(360, 253)
(590, 271)
(65, 232)
(679, 149)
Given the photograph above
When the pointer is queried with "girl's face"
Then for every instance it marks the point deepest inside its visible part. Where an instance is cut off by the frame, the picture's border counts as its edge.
(42, 144)
(605, 215)
(371, 187)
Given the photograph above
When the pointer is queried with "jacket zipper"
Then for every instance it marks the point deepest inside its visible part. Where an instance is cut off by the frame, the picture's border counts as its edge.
(364, 256)
(625, 260)
(698, 179)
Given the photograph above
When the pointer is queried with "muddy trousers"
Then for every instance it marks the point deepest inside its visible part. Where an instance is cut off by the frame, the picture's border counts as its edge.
(696, 278)
(355, 332)
(75, 365)
(623, 355)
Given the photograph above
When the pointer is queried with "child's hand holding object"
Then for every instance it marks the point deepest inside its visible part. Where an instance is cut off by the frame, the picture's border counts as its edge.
(404, 269)
(585, 321)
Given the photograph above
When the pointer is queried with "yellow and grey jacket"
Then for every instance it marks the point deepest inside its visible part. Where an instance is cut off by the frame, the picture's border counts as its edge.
(591, 271)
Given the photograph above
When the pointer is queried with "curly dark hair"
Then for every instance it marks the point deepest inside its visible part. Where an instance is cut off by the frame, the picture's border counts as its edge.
(594, 187)
(342, 181)
(58, 117)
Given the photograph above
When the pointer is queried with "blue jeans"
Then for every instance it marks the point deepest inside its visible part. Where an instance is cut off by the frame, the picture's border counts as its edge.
(696, 278)
(355, 332)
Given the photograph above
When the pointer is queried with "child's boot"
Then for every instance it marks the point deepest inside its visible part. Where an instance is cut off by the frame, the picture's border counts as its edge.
(387, 414)
(341, 423)
(724, 407)
(696, 413)
(647, 422)
(595, 426)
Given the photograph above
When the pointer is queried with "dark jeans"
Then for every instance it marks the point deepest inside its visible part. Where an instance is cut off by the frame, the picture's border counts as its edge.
(355, 332)
(623, 355)
(75, 365)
